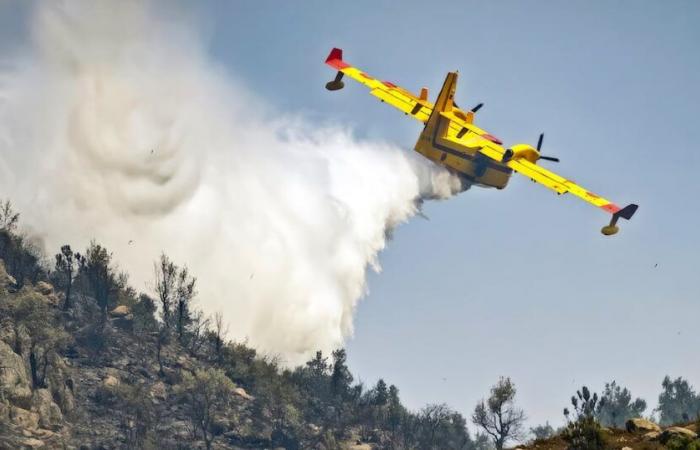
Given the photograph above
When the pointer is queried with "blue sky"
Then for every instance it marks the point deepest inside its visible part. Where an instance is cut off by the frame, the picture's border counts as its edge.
(517, 282)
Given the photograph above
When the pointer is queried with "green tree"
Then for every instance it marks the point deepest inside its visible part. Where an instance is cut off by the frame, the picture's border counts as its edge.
(439, 427)
(583, 432)
(498, 416)
(616, 406)
(678, 402)
(542, 431)
(206, 393)
(341, 378)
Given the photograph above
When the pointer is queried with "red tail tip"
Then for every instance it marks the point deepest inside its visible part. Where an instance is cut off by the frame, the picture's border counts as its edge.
(335, 54)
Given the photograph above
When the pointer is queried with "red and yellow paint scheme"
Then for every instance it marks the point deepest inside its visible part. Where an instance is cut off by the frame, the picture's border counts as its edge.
(451, 139)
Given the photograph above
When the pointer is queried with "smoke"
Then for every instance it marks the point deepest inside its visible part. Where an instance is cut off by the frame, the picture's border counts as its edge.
(116, 126)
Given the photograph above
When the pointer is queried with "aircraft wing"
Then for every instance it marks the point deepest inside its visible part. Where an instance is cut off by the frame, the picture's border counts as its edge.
(557, 183)
(417, 107)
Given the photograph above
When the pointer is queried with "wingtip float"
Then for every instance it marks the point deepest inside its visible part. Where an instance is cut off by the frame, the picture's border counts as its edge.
(451, 139)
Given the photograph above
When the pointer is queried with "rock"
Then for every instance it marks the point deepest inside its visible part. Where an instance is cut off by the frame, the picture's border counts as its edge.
(110, 381)
(672, 432)
(14, 380)
(33, 443)
(239, 391)
(7, 281)
(651, 435)
(44, 288)
(50, 415)
(120, 311)
(638, 425)
(44, 434)
(159, 391)
(24, 419)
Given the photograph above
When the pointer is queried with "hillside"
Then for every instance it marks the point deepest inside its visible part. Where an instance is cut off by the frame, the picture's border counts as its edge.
(86, 362)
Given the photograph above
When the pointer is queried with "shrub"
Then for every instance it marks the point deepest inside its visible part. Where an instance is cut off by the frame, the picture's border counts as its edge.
(583, 432)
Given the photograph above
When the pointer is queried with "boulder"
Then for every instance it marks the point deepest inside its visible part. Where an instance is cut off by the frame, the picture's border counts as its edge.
(239, 391)
(50, 416)
(110, 381)
(44, 288)
(671, 432)
(120, 311)
(651, 435)
(14, 380)
(24, 418)
(158, 391)
(33, 443)
(641, 425)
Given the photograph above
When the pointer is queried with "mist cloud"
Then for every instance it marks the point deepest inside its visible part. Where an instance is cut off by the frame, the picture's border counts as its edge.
(115, 125)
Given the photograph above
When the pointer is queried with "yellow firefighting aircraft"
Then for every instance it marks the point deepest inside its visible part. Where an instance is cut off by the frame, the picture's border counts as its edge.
(451, 139)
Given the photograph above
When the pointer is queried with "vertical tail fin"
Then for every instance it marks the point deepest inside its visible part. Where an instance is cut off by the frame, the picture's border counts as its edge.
(444, 101)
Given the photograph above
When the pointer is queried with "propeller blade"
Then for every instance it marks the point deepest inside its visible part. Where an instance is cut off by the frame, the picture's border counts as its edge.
(539, 142)
(477, 107)
(549, 158)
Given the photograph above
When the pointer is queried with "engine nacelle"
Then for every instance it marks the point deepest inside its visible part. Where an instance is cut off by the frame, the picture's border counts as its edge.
(524, 151)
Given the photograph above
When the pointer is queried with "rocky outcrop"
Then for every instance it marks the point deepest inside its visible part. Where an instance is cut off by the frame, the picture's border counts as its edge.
(239, 391)
(14, 381)
(7, 281)
(50, 416)
(120, 311)
(110, 381)
(24, 418)
(676, 432)
(640, 425)
(44, 288)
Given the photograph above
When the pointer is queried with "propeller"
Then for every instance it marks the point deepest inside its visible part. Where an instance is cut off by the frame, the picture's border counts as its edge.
(477, 107)
(539, 147)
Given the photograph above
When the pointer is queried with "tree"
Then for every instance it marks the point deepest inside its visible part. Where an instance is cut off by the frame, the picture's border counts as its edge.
(616, 406)
(217, 336)
(381, 395)
(175, 289)
(184, 295)
(8, 217)
(542, 431)
(207, 393)
(439, 427)
(583, 431)
(102, 278)
(341, 378)
(498, 416)
(165, 273)
(677, 402)
(395, 412)
(318, 366)
(21, 254)
(67, 266)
